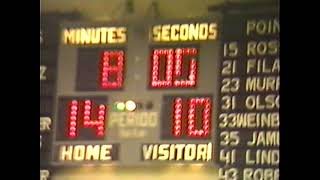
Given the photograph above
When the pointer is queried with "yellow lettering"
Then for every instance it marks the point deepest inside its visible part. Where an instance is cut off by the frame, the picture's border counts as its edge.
(69, 36)
(163, 152)
(156, 33)
(184, 32)
(165, 33)
(213, 31)
(122, 34)
(203, 31)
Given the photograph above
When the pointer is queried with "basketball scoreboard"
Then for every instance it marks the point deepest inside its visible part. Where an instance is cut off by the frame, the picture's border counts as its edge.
(200, 91)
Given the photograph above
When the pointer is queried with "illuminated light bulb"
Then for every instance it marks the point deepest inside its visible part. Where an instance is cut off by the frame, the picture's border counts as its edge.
(156, 52)
(177, 120)
(191, 111)
(100, 133)
(177, 72)
(87, 107)
(170, 57)
(74, 108)
(194, 51)
(102, 107)
(178, 100)
(178, 57)
(120, 53)
(178, 111)
(191, 127)
(105, 79)
(191, 116)
(101, 112)
(177, 69)
(131, 105)
(177, 133)
(104, 74)
(87, 123)
(201, 132)
(87, 113)
(206, 127)
(169, 73)
(177, 128)
(73, 118)
(178, 106)
(105, 53)
(100, 128)
(101, 117)
(206, 116)
(191, 121)
(74, 102)
(178, 51)
(155, 73)
(105, 69)
(160, 52)
(72, 129)
(207, 107)
(178, 62)
(155, 58)
(106, 60)
(106, 63)
(193, 101)
(120, 106)
(192, 77)
(155, 68)
(72, 134)
(120, 58)
(73, 113)
(153, 84)
(176, 83)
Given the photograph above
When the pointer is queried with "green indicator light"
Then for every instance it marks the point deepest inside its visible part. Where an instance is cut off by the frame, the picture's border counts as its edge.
(120, 106)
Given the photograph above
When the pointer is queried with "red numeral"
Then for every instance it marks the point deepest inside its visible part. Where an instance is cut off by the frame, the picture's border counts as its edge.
(107, 70)
(74, 116)
(192, 120)
(174, 60)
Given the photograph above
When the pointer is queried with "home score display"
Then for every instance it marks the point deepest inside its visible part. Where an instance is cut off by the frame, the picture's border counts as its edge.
(191, 92)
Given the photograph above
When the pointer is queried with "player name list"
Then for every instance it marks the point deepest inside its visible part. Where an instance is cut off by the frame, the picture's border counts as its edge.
(248, 120)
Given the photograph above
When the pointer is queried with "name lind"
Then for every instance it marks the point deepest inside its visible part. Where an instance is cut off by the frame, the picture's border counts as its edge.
(94, 35)
(184, 32)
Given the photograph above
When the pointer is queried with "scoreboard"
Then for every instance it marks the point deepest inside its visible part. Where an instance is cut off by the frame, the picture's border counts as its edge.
(197, 91)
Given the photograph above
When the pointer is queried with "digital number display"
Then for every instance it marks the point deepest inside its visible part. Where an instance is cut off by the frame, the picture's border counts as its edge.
(184, 94)
(174, 67)
(82, 118)
(189, 117)
(100, 69)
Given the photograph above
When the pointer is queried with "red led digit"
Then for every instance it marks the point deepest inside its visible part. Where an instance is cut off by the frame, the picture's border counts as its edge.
(173, 68)
(192, 131)
(177, 117)
(72, 119)
(106, 70)
(192, 72)
(155, 72)
(88, 122)
(206, 113)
